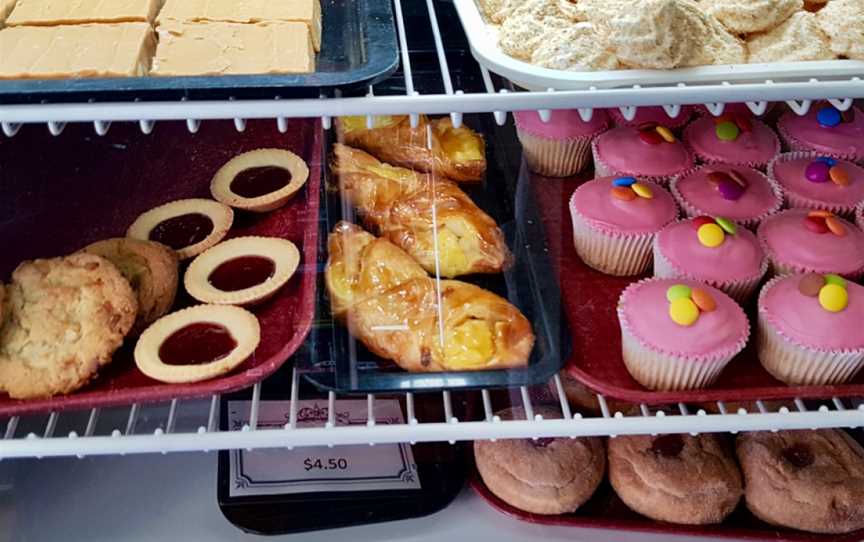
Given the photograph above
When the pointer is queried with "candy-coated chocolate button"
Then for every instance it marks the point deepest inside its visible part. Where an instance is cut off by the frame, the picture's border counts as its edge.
(831, 278)
(703, 300)
(646, 125)
(650, 137)
(829, 117)
(727, 225)
(623, 193)
(839, 175)
(817, 172)
(684, 312)
(816, 224)
(833, 298)
(642, 190)
(666, 134)
(810, 284)
(678, 291)
(725, 117)
(828, 160)
(711, 235)
(624, 181)
(717, 177)
(738, 178)
(744, 123)
(700, 221)
(730, 190)
(727, 131)
(819, 213)
(835, 226)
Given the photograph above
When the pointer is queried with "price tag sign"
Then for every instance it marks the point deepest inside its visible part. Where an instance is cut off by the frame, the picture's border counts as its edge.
(318, 469)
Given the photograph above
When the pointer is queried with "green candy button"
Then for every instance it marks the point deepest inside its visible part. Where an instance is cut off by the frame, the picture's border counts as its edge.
(727, 131)
(831, 278)
(677, 291)
(727, 225)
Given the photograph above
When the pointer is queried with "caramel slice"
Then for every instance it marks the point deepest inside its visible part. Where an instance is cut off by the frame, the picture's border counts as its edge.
(65, 12)
(261, 180)
(189, 226)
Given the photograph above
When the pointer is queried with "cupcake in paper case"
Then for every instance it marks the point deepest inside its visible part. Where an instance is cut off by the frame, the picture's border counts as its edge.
(615, 220)
(735, 109)
(652, 114)
(560, 147)
(732, 139)
(810, 329)
(711, 250)
(802, 241)
(859, 215)
(813, 181)
(651, 152)
(825, 130)
(679, 334)
(740, 193)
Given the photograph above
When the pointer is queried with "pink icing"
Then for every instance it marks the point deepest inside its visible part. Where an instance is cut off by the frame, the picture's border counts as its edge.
(645, 311)
(845, 138)
(757, 146)
(738, 258)
(758, 199)
(791, 242)
(735, 109)
(621, 149)
(653, 114)
(594, 202)
(563, 123)
(790, 175)
(803, 320)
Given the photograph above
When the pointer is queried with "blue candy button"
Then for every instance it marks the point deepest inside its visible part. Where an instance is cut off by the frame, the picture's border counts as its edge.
(624, 181)
(829, 117)
(828, 160)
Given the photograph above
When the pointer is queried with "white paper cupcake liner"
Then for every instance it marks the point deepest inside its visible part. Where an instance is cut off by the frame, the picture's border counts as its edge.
(793, 144)
(739, 290)
(619, 255)
(555, 158)
(800, 365)
(797, 201)
(702, 159)
(601, 169)
(692, 211)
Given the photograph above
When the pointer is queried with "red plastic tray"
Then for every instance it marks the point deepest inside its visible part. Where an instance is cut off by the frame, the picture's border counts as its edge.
(606, 511)
(590, 298)
(58, 194)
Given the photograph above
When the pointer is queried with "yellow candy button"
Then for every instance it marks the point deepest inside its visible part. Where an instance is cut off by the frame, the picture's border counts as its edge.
(683, 311)
(642, 190)
(711, 235)
(666, 134)
(833, 298)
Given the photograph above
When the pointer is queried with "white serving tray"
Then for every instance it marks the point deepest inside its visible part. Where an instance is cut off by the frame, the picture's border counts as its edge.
(484, 46)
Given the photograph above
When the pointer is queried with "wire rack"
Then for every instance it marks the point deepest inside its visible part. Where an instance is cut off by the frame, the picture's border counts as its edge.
(194, 425)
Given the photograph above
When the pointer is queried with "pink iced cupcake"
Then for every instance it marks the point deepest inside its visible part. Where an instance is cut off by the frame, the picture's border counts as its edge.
(735, 109)
(740, 193)
(679, 334)
(801, 241)
(614, 222)
(655, 114)
(824, 129)
(811, 181)
(722, 255)
(859, 216)
(562, 146)
(652, 153)
(810, 329)
(736, 140)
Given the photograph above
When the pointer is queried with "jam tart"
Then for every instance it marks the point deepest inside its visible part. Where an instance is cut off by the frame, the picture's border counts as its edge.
(259, 181)
(242, 271)
(197, 343)
(189, 226)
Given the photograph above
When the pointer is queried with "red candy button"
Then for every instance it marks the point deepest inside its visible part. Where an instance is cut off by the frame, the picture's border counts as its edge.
(744, 123)
(651, 137)
(815, 224)
(700, 221)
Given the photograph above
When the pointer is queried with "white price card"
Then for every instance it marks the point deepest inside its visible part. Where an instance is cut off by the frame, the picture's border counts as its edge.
(280, 471)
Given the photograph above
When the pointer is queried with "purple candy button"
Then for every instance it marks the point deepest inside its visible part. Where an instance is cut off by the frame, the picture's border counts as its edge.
(817, 172)
(730, 189)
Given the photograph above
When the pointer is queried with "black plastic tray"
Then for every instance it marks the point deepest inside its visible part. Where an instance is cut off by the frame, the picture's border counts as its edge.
(340, 363)
(358, 48)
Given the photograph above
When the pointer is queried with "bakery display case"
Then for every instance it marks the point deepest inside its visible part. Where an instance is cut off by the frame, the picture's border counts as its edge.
(453, 287)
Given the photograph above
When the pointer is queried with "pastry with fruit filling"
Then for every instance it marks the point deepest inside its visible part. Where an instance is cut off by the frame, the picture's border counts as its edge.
(259, 181)
(189, 226)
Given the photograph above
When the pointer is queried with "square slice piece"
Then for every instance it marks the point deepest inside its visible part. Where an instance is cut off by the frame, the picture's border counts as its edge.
(233, 49)
(5, 9)
(57, 12)
(245, 11)
(87, 50)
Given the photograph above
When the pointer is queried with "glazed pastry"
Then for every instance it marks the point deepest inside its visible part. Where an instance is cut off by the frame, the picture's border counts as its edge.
(807, 480)
(691, 480)
(798, 39)
(2, 305)
(360, 265)
(150, 268)
(398, 204)
(542, 476)
(456, 153)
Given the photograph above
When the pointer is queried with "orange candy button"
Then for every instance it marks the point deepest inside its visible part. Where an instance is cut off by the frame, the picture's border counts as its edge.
(703, 300)
(839, 176)
(624, 193)
(836, 227)
(820, 214)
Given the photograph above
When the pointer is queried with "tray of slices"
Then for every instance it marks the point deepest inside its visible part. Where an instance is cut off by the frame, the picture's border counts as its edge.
(191, 49)
(791, 486)
(432, 277)
(571, 45)
(143, 268)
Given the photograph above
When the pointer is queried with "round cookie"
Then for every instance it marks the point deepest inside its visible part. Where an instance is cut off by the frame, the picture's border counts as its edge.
(543, 476)
(807, 480)
(67, 317)
(150, 268)
(691, 480)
